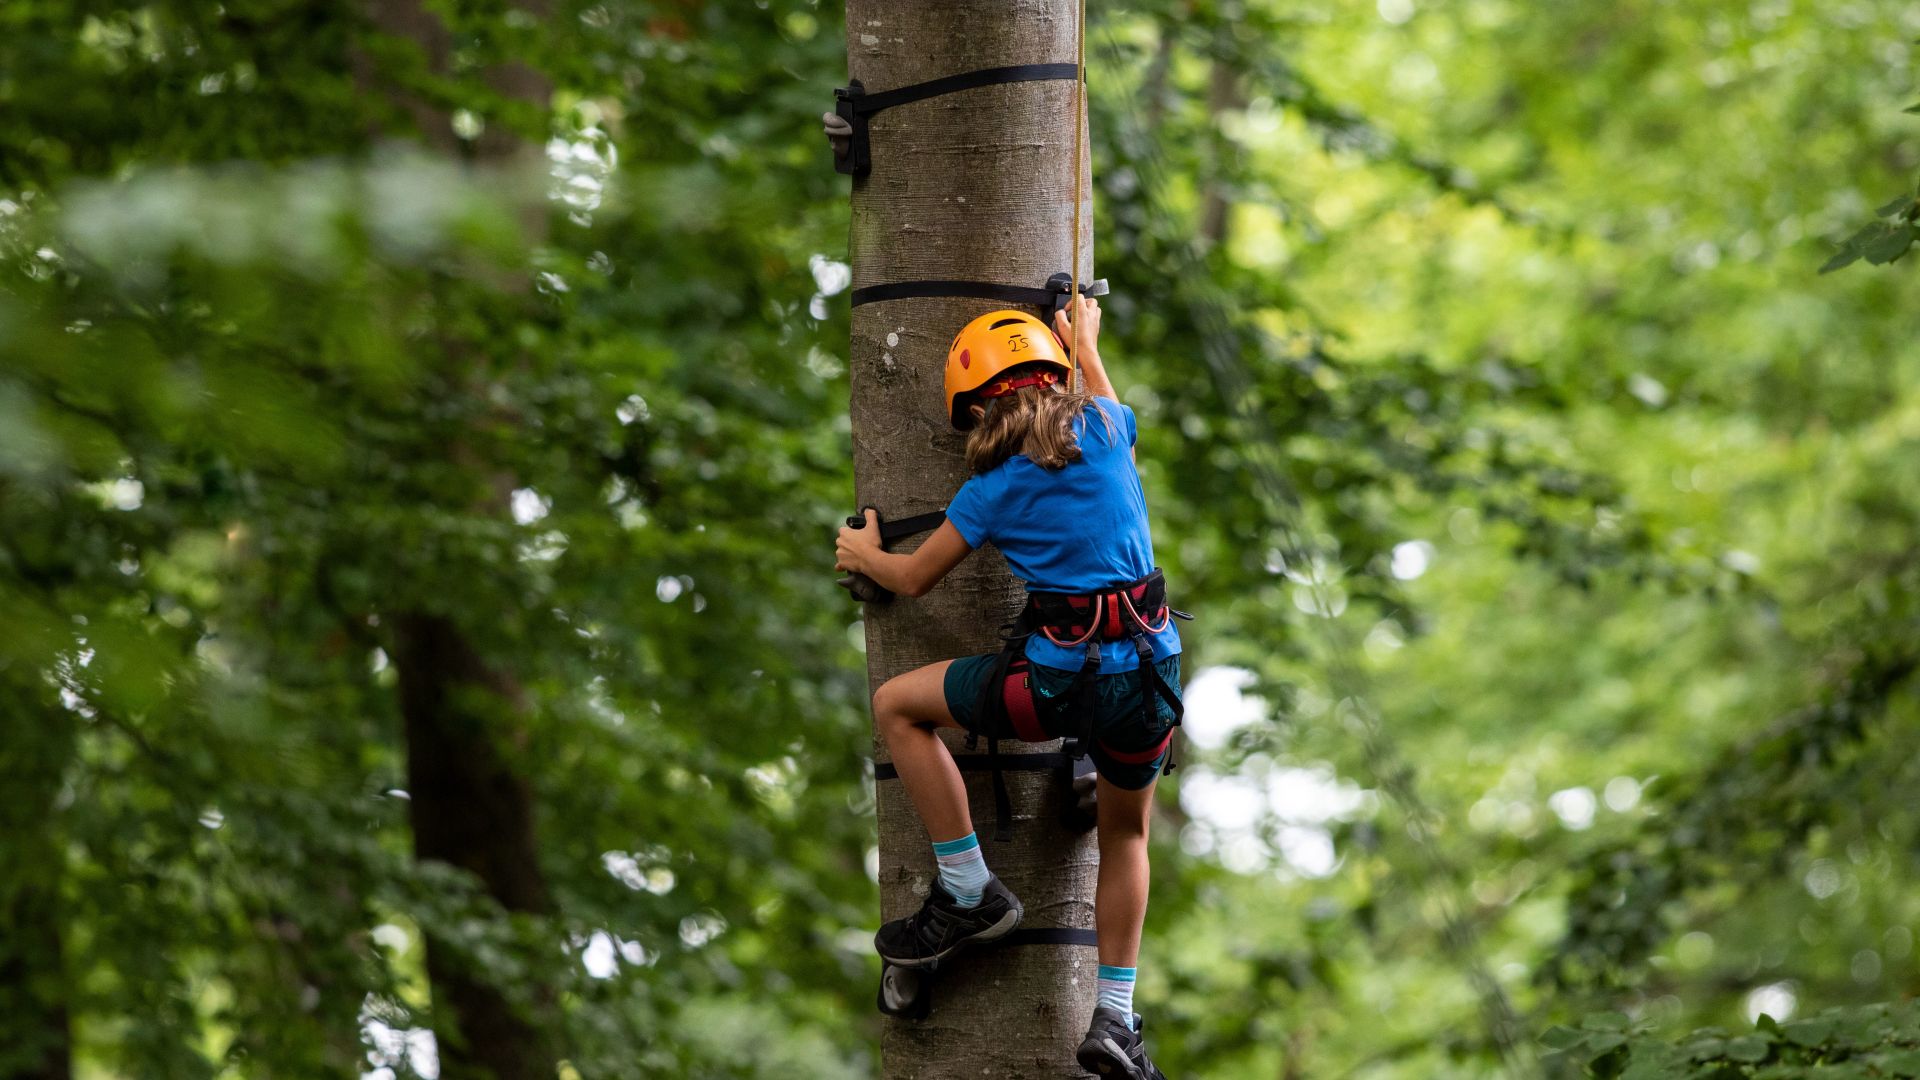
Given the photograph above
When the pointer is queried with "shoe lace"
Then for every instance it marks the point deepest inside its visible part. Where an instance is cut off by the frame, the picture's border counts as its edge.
(932, 923)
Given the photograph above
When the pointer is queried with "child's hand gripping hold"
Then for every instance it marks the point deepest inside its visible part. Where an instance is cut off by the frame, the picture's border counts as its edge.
(860, 551)
(1093, 374)
(854, 550)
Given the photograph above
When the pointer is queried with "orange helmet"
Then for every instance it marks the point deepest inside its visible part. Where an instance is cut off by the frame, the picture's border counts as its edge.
(993, 344)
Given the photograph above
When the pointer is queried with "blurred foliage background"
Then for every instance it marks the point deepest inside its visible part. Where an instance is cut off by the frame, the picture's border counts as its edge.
(1550, 514)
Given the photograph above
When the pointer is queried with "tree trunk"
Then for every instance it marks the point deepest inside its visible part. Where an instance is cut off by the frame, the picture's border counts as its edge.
(463, 711)
(976, 185)
(470, 809)
(1223, 96)
(35, 1043)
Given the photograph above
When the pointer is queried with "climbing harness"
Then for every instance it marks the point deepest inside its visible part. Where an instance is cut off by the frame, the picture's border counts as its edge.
(1132, 612)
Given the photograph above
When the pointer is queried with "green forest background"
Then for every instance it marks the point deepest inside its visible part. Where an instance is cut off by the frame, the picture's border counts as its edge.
(1550, 515)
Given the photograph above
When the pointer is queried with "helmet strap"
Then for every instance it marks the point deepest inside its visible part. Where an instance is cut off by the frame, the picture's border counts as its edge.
(1002, 387)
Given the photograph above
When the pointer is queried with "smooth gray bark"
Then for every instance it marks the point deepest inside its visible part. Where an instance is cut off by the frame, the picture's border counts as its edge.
(975, 185)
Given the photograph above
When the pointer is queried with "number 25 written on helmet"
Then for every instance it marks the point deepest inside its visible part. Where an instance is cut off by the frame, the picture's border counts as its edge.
(989, 346)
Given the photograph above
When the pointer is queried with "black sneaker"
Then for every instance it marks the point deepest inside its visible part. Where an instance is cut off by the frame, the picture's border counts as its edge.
(941, 927)
(1111, 1048)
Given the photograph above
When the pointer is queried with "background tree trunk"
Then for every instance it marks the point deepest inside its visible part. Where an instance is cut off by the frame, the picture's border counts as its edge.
(976, 185)
(470, 809)
(35, 1043)
(463, 711)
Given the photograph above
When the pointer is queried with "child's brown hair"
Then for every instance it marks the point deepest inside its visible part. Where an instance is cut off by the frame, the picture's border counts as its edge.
(1034, 420)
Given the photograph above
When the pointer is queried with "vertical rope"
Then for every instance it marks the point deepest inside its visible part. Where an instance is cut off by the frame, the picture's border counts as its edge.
(1079, 136)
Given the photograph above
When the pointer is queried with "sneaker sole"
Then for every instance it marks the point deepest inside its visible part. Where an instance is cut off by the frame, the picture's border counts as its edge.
(992, 933)
(1106, 1058)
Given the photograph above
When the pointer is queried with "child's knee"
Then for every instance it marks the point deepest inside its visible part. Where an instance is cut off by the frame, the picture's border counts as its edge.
(1120, 829)
(890, 705)
(1124, 818)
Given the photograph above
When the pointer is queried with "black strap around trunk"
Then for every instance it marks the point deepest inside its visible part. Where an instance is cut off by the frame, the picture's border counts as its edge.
(1041, 762)
(868, 104)
(1041, 297)
(853, 104)
(901, 528)
(1052, 935)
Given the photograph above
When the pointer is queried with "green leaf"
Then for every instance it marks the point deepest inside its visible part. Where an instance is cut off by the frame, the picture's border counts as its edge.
(1898, 1063)
(1653, 1061)
(1606, 1021)
(1604, 1043)
(1848, 254)
(1840, 260)
(1559, 1037)
(1890, 246)
(1898, 206)
(1808, 1032)
(1748, 1048)
(1702, 1049)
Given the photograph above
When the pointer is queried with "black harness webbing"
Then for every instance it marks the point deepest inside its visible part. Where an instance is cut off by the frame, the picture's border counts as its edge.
(1047, 297)
(1038, 614)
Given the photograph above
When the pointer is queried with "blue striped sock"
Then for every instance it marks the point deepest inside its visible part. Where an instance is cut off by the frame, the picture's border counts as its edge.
(1116, 990)
(963, 869)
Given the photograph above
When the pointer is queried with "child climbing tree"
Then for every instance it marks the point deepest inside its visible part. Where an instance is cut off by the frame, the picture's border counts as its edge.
(975, 185)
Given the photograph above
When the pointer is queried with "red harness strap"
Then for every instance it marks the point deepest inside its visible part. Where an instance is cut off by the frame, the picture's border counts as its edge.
(1139, 757)
(1017, 693)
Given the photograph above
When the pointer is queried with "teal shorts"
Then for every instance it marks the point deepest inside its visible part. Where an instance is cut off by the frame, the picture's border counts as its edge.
(1119, 732)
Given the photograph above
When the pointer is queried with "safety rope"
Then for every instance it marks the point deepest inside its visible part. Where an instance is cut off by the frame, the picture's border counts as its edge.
(1079, 136)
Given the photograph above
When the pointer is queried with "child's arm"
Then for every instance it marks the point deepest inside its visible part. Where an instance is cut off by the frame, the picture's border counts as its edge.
(913, 574)
(1092, 371)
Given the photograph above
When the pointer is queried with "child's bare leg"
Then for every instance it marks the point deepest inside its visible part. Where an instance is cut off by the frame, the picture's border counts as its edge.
(1120, 895)
(1113, 1046)
(908, 709)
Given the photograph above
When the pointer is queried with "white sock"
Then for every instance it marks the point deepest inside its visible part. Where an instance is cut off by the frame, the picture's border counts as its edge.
(1115, 990)
(963, 869)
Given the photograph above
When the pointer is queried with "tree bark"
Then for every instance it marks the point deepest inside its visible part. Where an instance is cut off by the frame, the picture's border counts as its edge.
(470, 809)
(975, 185)
(463, 711)
(1223, 96)
(35, 1039)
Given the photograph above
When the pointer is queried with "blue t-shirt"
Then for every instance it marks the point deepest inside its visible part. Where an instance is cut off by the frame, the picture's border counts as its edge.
(1079, 529)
